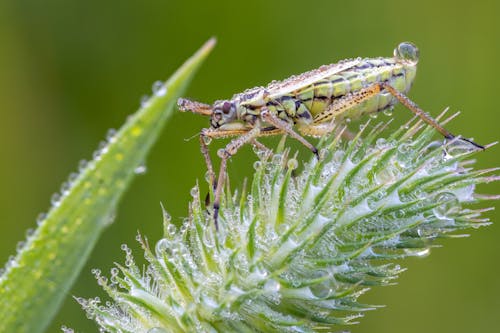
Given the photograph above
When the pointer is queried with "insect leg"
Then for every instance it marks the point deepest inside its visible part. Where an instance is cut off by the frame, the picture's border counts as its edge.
(225, 153)
(210, 133)
(260, 146)
(409, 104)
(208, 160)
(268, 117)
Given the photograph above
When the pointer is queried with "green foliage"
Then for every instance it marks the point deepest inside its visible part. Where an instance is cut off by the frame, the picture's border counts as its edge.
(38, 278)
(296, 252)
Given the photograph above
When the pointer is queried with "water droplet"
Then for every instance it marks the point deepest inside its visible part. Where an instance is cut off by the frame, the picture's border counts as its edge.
(458, 147)
(40, 218)
(20, 246)
(292, 164)
(111, 135)
(144, 101)
(322, 288)
(388, 112)
(257, 165)
(159, 88)
(110, 218)
(272, 286)
(404, 148)
(163, 246)
(167, 218)
(207, 140)
(171, 230)
(82, 165)
(208, 239)
(381, 143)
(157, 330)
(65, 187)
(449, 206)
(405, 155)
(30, 232)
(194, 192)
(141, 169)
(373, 115)
(276, 159)
(55, 199)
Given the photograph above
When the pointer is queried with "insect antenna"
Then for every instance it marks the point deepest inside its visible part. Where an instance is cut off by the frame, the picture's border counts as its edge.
(185, 104)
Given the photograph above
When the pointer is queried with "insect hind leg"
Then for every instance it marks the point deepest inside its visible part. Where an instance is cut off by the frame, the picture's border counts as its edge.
(413, 107)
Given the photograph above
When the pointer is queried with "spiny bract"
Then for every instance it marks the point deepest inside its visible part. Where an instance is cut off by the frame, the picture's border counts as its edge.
(296, 252)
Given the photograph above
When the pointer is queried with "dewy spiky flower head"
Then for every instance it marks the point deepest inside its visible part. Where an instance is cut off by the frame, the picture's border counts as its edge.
(296, 252)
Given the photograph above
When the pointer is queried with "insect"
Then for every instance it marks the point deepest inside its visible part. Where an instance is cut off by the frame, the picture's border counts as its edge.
(310, 104)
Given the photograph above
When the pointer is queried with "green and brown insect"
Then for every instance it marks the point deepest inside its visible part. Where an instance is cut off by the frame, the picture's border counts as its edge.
(312, 103)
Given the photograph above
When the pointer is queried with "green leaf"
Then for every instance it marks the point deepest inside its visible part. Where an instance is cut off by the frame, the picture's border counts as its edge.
(37, 280)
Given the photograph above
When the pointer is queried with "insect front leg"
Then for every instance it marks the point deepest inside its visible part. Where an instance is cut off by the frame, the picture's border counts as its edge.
(270, 118)
(245, 136)
(225, 153)
(206, 156)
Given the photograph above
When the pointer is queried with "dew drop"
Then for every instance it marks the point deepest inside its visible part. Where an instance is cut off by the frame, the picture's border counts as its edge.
(405, 154)
(276, 159)
(404, 148)
(110, 218)
(40, 218)
(272, 286)
(208, 177)
(321, 289)
(292, 164)
(374, 115)
(159, 88)
(163, 246)
(111, 135)
(207, 140)
(208, 239)
(67, 329)
(65, 186)
(144, 101)
(167, 218)
(458, 147)
(82, 165)
(171, 230)
(30, 232)
(388, 112)
(194, 192)
(449, 206)
(141, 169)
(20, 245)
(55, 199)
(156, 330)
(257, 165)
(381, 143)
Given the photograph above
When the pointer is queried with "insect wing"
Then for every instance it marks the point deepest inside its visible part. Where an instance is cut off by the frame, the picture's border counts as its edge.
(299, 82)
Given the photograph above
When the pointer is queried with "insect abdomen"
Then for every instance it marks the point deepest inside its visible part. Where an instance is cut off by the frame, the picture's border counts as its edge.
(318, 96)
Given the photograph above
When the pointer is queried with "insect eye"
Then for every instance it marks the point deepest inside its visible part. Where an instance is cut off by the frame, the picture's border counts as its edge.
(226, 107)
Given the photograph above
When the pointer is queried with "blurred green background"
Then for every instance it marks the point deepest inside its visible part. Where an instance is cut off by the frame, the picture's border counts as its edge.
(70, 70)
